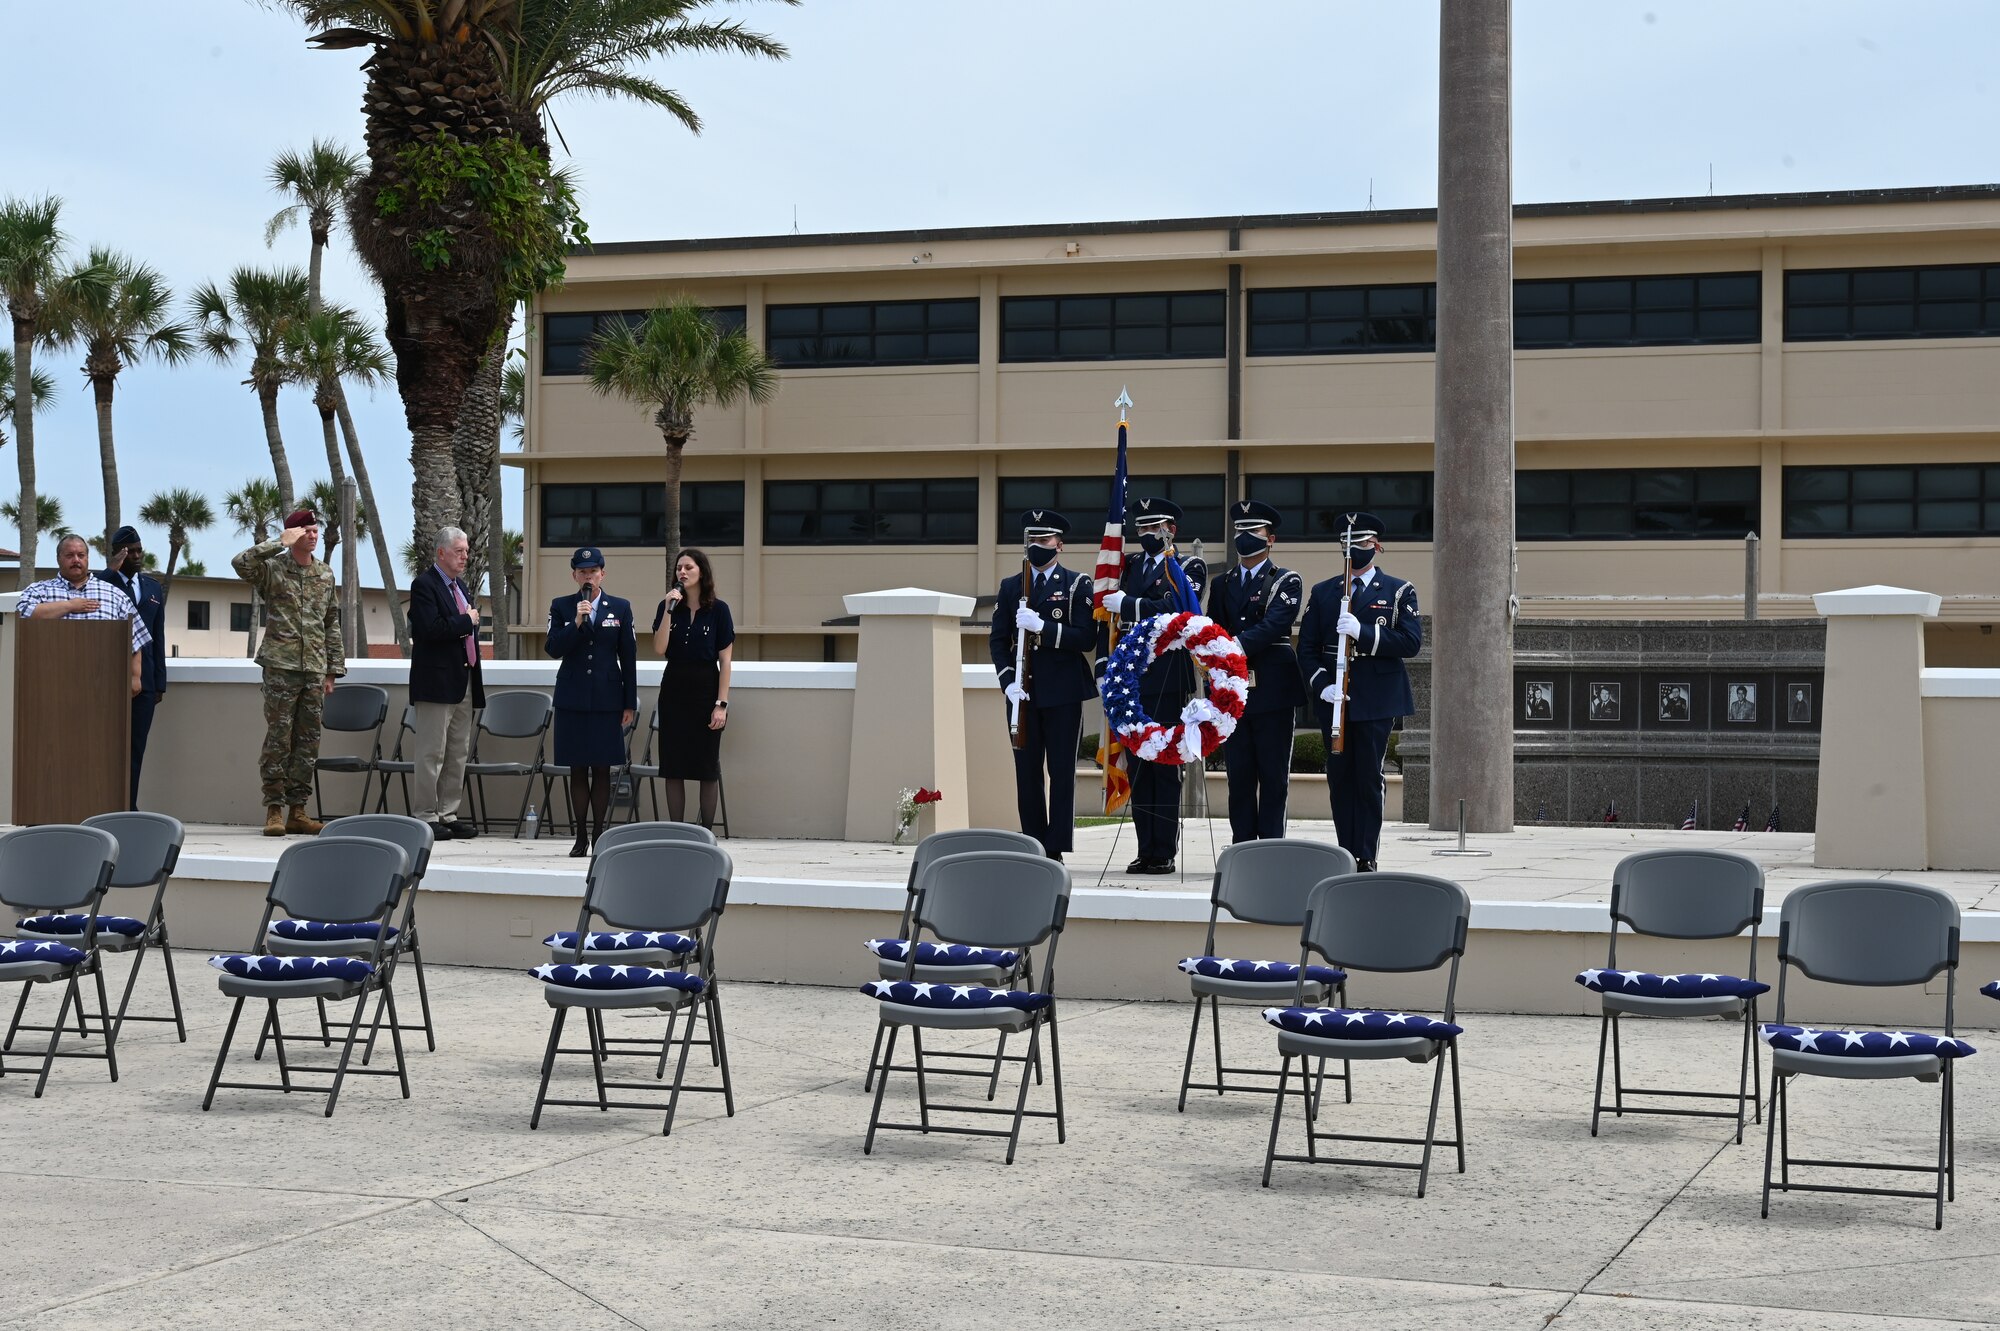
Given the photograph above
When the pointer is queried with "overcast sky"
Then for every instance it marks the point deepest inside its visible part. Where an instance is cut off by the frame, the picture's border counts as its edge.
(156, 130)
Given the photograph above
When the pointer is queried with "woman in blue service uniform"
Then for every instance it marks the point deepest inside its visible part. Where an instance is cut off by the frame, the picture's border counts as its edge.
(597, 688)
(695, 634)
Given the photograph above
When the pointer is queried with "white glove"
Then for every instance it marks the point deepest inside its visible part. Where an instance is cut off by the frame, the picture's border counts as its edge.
(1015, 693)
(1114, 601)
(1347, 626)
(1329, 694)
(1025, 618)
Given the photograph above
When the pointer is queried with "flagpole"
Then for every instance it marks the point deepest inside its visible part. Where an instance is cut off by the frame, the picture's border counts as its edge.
(1122, 406)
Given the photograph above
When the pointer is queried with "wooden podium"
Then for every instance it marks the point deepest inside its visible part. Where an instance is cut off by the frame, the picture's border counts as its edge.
(72, 719)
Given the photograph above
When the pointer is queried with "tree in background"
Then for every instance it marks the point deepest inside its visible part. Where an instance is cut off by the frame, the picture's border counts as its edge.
(253, 315)
(41, 392)
(48, 518)
(255, 508)
(182, 512)
(324, 496)
(674, 362)
(31, 259)
(119, 312)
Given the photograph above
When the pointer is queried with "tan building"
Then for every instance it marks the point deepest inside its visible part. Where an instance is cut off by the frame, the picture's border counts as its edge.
(1822, 370)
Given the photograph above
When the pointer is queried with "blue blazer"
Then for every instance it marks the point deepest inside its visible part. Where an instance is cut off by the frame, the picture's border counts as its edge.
(151, 598)
(1392, 631)
(600, 660)
(1261, 618)
(1059, 666)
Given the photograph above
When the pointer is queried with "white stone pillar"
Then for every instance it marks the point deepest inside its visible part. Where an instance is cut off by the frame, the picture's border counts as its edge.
(909, 708)
(1871, 748)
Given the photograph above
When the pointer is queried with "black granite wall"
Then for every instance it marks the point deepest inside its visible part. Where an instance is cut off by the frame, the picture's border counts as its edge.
(1654, 717)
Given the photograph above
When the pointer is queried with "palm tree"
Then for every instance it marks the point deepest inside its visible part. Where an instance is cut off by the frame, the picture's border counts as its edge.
(118, 311)
(41, 391)
(195, 568)
(324, 496)
(182, 512)
(256, 507)
(255, 312)
(31, 250)
(48, 518)
(673, 362)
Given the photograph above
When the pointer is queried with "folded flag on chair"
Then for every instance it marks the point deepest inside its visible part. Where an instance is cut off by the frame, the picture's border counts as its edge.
(629, 941)
(1359, 1023)
(1229, 968)
(616, 977)
(1991, 990)
(75, 924)
(1641, 984)
(963, 996)
(1862, 1044)
(323, 931)
(29, 949)
(349, 969)
(942, 954)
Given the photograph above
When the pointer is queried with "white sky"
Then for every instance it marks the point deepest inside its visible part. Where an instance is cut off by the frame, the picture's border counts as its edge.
(156, 130)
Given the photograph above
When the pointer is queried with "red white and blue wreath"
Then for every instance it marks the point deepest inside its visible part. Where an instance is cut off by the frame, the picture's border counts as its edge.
(1205, 721)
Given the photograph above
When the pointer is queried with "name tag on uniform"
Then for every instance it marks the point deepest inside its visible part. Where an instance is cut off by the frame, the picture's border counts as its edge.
(611, 621)
(1253, 678)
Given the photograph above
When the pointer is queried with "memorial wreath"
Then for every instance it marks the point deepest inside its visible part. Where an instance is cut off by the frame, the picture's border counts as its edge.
(1205, 722)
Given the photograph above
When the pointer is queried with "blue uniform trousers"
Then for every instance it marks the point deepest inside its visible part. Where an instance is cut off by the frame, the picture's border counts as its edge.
(1051, 736)
(1156, 808)
(1258, 757)
(142, 726)
(1354, 783)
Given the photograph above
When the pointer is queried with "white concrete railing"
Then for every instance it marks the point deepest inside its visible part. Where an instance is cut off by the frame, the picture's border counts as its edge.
(542, 674)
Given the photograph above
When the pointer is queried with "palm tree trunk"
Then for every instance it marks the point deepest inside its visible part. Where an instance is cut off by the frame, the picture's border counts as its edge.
(475, 450)
(386, 564)
(107, 457)
(174, 547)
(281, 466)
(671, 513)
(24, 443)
(496, 565)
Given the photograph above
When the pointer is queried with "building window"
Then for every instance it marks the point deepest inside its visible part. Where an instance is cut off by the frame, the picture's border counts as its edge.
(239, 617)
(888, 332)
(1939, 500)
(566, 338)
(1306, 321)
(919, 512)
(1312, 507)
(1084, 499)
(1683, 310)
(634, 514)
(1151, 325)
(198, 616)
(1653, 504)
(1839, 304)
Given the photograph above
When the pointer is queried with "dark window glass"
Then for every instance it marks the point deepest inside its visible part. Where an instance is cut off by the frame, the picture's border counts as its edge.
(1841, 304)
(634, 514)
(1646, 504)
(1303, 320)
(1636, 311)
(1084, 499)
(566, 338)
(898, 512)
(198, 616)
(1922, 500)
(890, 332)
(1166, 325)
(1313, 506)
(239, 616)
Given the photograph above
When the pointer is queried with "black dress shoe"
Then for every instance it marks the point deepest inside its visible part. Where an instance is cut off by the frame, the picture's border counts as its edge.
(461, 830)
(579, 850)
(1150, 866)
(1364, 866)
(1139, 866)
(1055, 855)
(440, 831)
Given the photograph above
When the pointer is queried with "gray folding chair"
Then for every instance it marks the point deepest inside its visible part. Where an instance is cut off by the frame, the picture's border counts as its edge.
(987, 899)
(649, 886)
(352, 709)
(1390, 923)
(1680, 894)
(397, 765)
(1258, 882)
(1875, 933)
(149, 849)
(58, 869)
(331, 880)
(517, 714)
(938, 964)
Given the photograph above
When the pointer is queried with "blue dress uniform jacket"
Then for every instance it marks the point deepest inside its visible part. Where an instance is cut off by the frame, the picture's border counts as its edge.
(1392, 630)
(1059, 669)
(1261, 617)
(151, 599)
(600, 665)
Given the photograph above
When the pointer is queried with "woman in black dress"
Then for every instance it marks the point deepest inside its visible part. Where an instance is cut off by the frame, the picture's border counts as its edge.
(695, 633)
(597, 688)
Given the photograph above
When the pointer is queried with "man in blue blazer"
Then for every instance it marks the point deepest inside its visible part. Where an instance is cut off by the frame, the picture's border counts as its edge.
(1055, 612)
(1382, 622)
(125, 570)
(446, 684)
(1258, 602)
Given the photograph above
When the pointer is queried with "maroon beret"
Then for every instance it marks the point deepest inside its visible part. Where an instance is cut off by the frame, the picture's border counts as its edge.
(303, 517)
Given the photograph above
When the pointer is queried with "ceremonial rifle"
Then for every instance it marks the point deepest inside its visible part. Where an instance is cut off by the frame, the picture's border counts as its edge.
(1346, 643)
(1017, 721)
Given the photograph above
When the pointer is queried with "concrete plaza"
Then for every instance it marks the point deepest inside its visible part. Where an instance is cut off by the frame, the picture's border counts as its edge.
(127, 1206)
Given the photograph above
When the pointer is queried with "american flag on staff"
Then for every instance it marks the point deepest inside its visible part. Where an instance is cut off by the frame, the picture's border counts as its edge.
(1111, 552)
(1743, 819)
(1771, 824)
(1694, 815)
(1611, 812)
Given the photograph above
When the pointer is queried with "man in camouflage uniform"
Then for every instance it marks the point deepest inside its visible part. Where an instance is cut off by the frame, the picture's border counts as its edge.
(302, 655)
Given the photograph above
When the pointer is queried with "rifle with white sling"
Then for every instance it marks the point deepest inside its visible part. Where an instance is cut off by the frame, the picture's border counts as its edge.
(1017, 719)
(1346, 644)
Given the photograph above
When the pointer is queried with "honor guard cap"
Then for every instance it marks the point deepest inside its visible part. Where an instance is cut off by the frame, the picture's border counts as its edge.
(1365, 526)
(124, 536)
(587, 557)
(1043, 522)
(302, 517)
(1147, 512)
(1245, 514)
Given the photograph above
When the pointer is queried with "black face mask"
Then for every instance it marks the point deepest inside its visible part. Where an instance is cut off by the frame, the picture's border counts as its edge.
(1041, 556)
(1152, 542)
(1361, 556)
(1249, 544)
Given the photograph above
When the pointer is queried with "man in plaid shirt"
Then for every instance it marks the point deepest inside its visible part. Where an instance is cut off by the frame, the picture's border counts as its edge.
(78, 594)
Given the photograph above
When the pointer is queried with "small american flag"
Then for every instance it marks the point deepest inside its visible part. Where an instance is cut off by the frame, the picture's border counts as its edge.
(1611, 812)
(1771, 823)
(1694, 815)
(1743, 819)
(1110, 569)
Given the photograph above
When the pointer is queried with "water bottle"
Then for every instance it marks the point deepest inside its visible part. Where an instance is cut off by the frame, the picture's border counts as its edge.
(532, 824)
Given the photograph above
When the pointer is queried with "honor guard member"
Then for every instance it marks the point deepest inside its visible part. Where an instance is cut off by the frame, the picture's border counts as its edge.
(1146, 590)
(1258, 603)
(1054, 610)
(1381, 621)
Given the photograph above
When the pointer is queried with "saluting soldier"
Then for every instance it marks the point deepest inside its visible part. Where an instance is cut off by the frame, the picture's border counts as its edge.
(1258, 603)
(1054, 610)
(1147, 589)
(1381, 619)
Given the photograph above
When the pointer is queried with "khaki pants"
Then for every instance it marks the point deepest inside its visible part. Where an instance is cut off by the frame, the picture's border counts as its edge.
(444, 733)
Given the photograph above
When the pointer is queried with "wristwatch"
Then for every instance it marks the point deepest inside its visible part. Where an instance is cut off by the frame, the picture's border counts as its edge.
(723, 705)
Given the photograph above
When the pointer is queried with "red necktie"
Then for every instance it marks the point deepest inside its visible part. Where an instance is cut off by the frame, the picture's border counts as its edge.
(472, 640)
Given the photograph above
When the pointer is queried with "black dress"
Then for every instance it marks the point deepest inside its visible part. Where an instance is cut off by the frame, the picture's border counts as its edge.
(689, 750)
